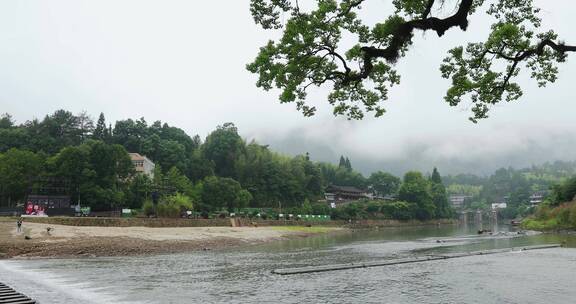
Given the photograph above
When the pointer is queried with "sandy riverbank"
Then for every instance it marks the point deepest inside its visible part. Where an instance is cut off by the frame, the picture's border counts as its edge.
(73, 241)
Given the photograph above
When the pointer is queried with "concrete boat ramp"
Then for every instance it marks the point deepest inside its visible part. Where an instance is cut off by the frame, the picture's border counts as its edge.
(427, 258)
(10, 296)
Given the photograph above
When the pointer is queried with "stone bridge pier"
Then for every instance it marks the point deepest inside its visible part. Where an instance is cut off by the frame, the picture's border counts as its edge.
(478, 217)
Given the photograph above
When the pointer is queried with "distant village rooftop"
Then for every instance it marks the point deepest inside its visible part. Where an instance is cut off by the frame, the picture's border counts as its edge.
(349, 189)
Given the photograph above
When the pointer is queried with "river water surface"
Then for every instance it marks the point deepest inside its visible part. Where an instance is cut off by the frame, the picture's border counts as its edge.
(244, 275)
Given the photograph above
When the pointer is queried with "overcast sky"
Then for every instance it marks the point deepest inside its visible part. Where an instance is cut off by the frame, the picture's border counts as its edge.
(183, 62)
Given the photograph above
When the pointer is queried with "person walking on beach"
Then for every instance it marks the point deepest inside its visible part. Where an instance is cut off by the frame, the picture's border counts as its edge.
(19, 224)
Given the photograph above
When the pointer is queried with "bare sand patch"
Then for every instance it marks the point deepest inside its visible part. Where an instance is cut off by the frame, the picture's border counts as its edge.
(36, 230)
(66, 241)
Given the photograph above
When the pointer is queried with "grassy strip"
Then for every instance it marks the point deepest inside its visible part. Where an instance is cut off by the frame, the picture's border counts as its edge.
(541, 225)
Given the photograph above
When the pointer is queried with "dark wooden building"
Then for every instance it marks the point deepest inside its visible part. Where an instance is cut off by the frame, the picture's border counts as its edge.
(336, 195)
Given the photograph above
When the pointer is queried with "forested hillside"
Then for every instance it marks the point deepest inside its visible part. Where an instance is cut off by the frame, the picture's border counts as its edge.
(513, 186)
(88, 160)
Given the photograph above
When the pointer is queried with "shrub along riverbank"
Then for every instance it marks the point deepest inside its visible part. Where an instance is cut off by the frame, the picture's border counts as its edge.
(558, 212)
(547, 218)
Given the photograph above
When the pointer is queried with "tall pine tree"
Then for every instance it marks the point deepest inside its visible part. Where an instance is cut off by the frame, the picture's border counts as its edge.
(342, 163)
(348, 164)
(439, 196)
(100, 132)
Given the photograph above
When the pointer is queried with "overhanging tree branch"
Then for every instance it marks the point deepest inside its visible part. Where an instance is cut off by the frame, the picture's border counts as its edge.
(428, 9)
(538, 50)
(310, 53)
(403, 35)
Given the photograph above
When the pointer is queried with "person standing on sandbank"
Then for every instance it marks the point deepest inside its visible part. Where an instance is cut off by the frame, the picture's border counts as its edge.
(19, 225)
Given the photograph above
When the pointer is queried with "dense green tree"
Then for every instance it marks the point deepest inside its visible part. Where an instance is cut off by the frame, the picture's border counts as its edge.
(97, 173)
(384, 183)
(195, 194)
(130, 134)
(178, 181)
(199, 167)
(223, 147)
(54, 132)
(348, 164)
(373, 207)
(153, 149)
(243, 199)
(564, 192)
(158, 176)
(342, 162)
(6, 121)
(439, 196)
(311, 51)
(64, 128)
(110, 162)
(220, 193)
(266, 176)
(171, 154)
(399, 210)
(17, 170)
(416, 189)
(320, 209)
(341, 176)
(37, 138)
(306, 207)
(101, 131)
(138, 191)
(14, 138)
(72, 164)
(346, 177)
(178, 135)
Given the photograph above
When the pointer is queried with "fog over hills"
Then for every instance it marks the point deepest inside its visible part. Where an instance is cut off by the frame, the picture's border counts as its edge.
(169, 70)
(481, 156)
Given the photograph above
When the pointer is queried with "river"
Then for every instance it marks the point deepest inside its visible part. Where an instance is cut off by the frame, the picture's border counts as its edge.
(243, 275)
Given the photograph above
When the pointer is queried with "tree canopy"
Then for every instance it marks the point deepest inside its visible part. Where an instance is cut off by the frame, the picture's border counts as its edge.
(312, 52)
(415, 189)
(67, 154)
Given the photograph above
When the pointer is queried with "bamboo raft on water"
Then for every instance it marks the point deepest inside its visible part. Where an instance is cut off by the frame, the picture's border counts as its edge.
(427, 258)
(11, 296)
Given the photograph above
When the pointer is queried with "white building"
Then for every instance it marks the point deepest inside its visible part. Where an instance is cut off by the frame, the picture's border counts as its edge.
(499, 206)
(142, 164)
(457, 201)
(536, 199)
